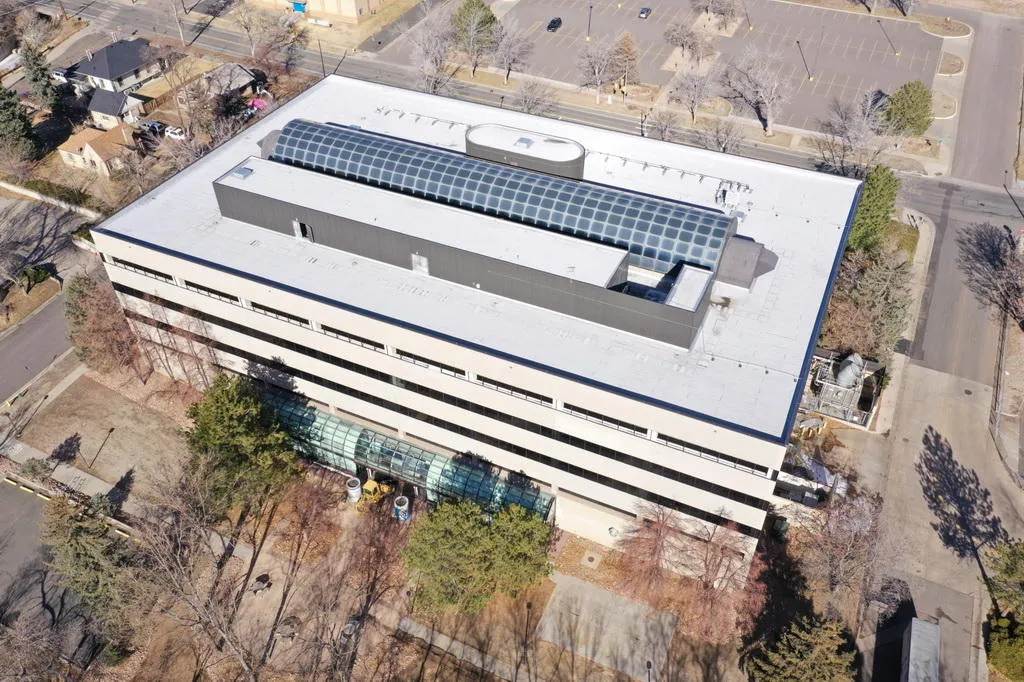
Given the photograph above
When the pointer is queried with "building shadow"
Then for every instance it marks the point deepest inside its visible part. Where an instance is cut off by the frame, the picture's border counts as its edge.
(965, 517)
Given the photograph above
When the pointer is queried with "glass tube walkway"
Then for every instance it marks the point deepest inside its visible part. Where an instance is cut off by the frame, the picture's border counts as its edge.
(341, 444)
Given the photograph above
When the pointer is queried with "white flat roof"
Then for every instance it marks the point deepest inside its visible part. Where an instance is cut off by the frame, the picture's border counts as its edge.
(745, 368)
(544, 250)
(525, 142)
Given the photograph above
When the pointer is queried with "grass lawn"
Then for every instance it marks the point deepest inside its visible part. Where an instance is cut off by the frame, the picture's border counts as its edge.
(21, 305)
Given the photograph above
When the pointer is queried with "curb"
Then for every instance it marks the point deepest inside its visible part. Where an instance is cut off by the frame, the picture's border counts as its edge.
(44, 493)
(970, 31)
(956, 111)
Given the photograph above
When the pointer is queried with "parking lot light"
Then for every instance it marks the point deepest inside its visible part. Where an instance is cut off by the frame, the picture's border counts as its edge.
(590, 15)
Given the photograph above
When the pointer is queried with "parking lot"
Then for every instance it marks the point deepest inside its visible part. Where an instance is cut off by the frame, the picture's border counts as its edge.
(847, 54)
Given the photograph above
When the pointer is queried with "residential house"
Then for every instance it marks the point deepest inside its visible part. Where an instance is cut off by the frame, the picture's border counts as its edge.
(122, 66)
(111, 109)
(95, 150)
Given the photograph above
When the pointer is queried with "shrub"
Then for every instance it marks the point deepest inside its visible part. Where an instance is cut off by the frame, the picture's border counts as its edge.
(1006, 648)
(38, 470)
(84, 232)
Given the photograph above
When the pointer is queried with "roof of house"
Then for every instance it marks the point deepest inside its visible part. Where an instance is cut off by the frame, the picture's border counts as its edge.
(229, 77)
(745, 370)
(107, 102)
(77, 142)
(107, 144)
(117, 59)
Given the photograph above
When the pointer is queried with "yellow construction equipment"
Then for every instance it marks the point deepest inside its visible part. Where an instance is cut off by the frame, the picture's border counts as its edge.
(373, 492)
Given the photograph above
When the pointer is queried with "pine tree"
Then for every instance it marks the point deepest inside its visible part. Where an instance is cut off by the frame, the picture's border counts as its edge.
(910, 109)
(461, 560)
(626, 58)
(877, 201)
(1006, 575)
(15, 125)
(808, 650)
(89, 559)
(37, 73)
(473, 14)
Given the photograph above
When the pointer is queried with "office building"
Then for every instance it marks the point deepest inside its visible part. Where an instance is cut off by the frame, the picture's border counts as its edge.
(489, 304)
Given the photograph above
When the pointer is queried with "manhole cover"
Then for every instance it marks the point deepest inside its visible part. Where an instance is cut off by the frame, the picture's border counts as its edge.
(968, 391)
(591, 560)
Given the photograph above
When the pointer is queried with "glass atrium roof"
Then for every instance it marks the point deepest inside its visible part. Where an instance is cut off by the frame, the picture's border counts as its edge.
(657, 232)
(341, 444)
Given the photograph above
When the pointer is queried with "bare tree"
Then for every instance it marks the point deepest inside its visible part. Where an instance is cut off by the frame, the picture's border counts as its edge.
(534, 97)
(905, 6)
(691, 42)
(32, 27)
(596, 63)
(31, 650)
(254, 22)
(170, 9)
(625, 58)
(98, 329)
(662, 124)
(992, 269)
(649, 550)
(16, 160)
(431, 44)
(841, 543)
(693, 90)
(855, 134)
(476, 37)
(722, 12)
(756, 79)
(722, 135)
(511, 48)
(136, 169)
(729, 595)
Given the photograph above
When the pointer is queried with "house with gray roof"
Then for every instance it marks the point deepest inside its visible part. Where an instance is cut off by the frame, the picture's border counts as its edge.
(122, 66)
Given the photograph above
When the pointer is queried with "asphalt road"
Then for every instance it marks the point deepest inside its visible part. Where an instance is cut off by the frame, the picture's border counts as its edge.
(990, 107)
(956, 335)
(32, 346)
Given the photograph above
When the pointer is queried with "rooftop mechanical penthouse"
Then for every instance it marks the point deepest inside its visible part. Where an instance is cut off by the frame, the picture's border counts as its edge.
(492, 305)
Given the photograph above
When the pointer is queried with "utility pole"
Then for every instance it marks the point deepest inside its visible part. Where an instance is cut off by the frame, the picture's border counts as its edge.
(590, 14)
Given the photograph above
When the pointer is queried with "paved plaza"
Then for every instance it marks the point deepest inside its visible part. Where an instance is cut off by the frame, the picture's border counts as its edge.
(847, 54)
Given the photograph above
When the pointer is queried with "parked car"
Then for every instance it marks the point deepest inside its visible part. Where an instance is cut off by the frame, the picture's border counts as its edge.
(153, 127)
(555, 24)
(645, 12)
(175, 133)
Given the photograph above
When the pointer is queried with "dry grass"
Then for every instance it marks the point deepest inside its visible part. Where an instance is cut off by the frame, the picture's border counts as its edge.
(951, 65)
(779, 139)
(943, 105)
(21, 305)
(920, 146)
(903, 236)
(940, 26)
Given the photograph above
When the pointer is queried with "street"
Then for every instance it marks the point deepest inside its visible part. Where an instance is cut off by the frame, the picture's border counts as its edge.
(32, 346)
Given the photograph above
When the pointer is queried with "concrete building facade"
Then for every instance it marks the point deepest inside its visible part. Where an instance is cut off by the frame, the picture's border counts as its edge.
(605, 321)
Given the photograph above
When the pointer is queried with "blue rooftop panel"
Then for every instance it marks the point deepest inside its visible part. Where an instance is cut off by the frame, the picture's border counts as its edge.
(630, 220)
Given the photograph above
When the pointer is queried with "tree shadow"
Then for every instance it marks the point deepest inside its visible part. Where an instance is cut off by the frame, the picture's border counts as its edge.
(987, 257)
(119, 493)
(785, 595)
(965, 517)
(67, 450)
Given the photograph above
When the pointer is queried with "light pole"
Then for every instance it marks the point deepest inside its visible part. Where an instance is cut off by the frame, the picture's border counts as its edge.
(648, 671)
(590, 15)
(800, 47)
(886, 34)
(746, 12)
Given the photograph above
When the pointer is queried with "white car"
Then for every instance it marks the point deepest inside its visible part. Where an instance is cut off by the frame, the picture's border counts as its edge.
(175, 133)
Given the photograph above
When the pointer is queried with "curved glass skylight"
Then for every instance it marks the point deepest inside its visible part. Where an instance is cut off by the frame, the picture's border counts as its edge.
(657, 232)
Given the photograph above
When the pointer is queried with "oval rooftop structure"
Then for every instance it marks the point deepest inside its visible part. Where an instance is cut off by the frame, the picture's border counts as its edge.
(526, 143)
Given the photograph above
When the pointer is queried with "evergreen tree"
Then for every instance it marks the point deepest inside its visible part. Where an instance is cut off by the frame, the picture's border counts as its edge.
(472, 15)
(808, 650)
(910, 109)
(1006, 575)
(252, 452)
(625, 59)
(461, 559)
(877, 202)
(37, 73)
(89, 559)
(15, 125)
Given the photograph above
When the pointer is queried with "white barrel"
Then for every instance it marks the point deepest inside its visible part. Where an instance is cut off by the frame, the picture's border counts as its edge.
(402, 508)
(355, 489)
